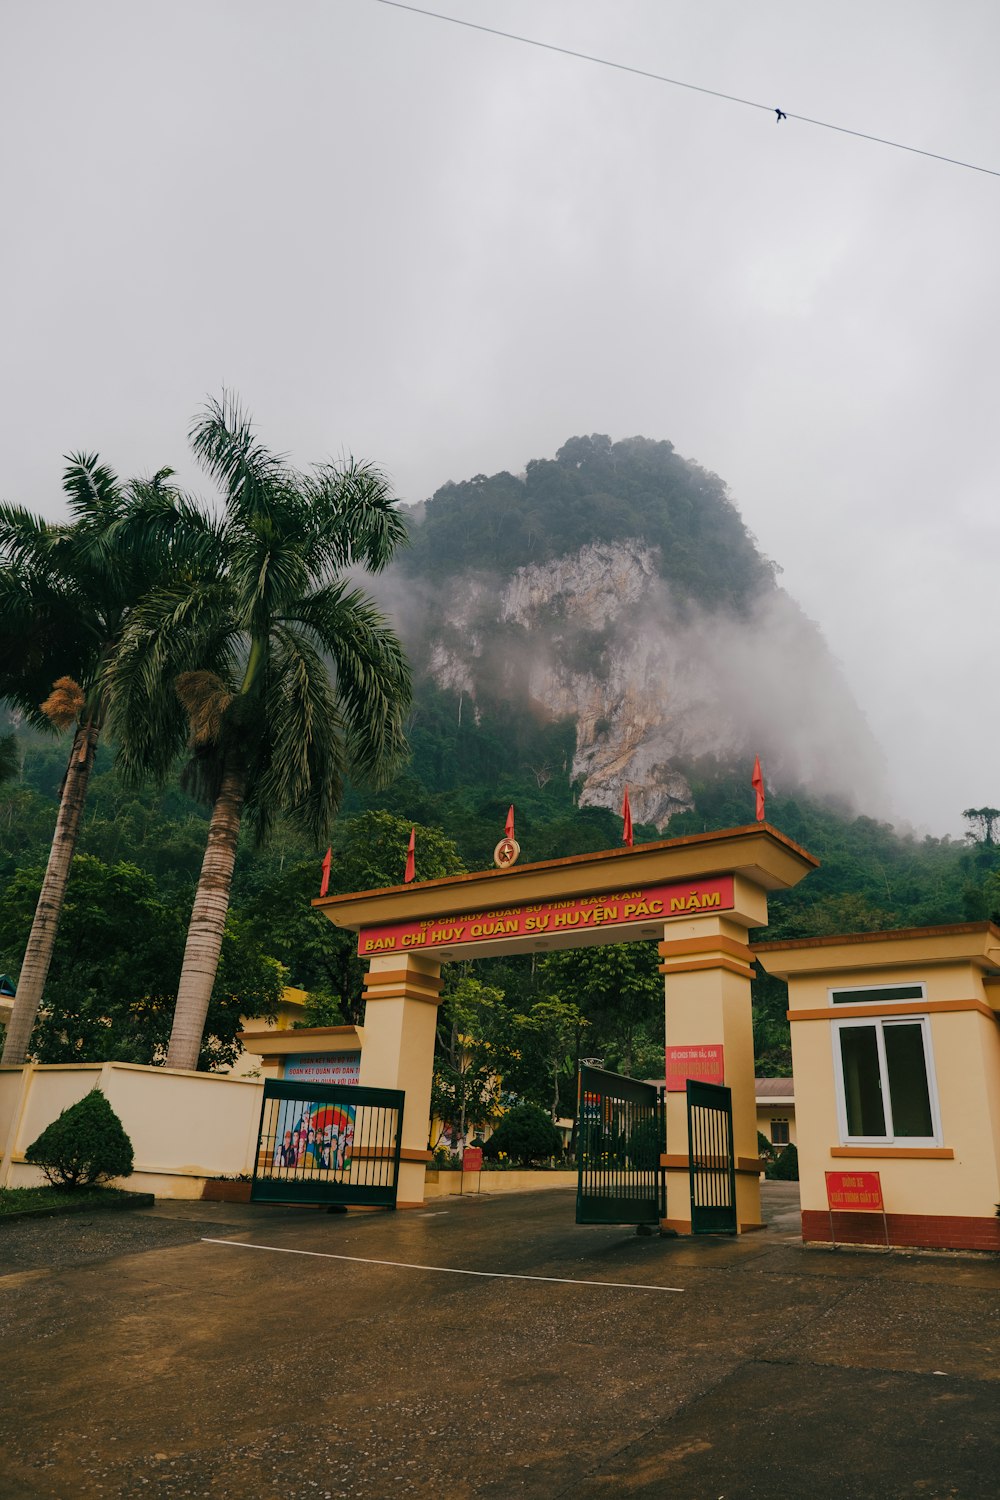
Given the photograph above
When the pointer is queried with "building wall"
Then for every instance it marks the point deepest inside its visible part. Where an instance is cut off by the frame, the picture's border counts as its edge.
(775, 1110)
(944, 1195)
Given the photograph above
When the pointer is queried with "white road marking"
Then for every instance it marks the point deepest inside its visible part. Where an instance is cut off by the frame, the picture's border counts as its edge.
(403, 1265)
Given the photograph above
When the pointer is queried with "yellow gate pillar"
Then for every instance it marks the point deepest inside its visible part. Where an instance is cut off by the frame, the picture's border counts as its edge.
(402, 994)
(707, 967)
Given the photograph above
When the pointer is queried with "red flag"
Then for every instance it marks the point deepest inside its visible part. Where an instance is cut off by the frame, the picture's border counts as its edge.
(627, 815)
(411, 863)
(757, 782)
(508, 831)
(324, 884)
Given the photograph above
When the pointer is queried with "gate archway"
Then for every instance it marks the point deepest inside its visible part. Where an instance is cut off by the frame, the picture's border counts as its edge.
(696, 896)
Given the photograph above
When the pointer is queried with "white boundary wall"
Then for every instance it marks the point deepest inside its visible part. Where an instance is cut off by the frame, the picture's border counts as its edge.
(184, 1127)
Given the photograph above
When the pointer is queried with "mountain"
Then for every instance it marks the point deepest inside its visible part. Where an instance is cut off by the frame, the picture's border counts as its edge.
(617, 587)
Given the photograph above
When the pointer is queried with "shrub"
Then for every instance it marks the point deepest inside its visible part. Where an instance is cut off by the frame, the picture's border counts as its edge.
(764, 1148)
(646, 1143)
(525, 1134)
(85, 1145)
(785, 1167)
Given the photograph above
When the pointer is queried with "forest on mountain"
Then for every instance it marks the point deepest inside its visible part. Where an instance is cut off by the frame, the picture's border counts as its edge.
(475, 747)
(594, 490)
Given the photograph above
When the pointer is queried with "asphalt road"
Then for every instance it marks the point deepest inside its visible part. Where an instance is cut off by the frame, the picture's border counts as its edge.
(161, 1355)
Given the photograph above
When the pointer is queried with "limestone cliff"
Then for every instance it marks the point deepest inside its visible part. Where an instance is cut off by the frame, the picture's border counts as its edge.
(654, 683)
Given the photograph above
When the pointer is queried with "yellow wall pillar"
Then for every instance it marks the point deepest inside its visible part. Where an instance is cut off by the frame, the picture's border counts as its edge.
(402, 994)
(707, 967)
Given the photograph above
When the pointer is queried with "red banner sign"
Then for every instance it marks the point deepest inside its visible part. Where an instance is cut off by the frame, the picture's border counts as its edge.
(551, 919)
(861, 1192)
(703, 1062)
(472, 1159)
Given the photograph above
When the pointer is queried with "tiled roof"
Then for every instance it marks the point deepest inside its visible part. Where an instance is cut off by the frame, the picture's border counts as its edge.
(774, 1088)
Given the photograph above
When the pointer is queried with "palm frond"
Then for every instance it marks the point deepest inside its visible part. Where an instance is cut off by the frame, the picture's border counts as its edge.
(355, 518)
(45, 632)
(92, 489)
(177, 629)
(265, 577)
(29, 541)
(373, 683)
(163, 530)
(256, 481)
(300, 739)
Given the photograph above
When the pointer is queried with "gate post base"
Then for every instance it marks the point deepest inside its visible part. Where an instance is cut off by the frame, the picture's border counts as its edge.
(748, 1210)
(410, 1193)
(682, 1228)
(675, 1227)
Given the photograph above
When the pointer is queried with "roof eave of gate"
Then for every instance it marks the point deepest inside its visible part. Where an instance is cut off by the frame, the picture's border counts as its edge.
(976, 943)
(757, 851)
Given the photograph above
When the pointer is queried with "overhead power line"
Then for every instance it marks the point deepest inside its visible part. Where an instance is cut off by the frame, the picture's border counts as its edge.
(695, 88)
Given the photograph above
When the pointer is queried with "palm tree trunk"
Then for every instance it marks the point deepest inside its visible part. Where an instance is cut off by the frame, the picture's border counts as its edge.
(208, 921)
(41, 940)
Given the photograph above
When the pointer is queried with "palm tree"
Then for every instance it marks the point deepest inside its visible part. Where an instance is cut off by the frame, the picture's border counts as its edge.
(282, 674)
(65, 598)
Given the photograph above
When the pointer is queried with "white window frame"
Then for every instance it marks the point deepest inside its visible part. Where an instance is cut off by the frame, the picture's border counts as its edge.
(886, 992)
(890, 1139)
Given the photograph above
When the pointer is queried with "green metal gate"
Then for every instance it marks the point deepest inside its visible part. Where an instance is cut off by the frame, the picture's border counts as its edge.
(621, 1133)
(328, 1143)
(710, 1158)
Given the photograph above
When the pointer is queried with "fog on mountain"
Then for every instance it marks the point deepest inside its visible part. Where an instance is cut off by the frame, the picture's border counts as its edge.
(617, 586)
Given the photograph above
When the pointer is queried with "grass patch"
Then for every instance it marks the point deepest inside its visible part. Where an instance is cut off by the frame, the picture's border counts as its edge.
(31, 1199)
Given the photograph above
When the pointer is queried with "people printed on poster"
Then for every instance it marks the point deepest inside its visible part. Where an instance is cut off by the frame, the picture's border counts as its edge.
(313, 1137)
(452, 1137)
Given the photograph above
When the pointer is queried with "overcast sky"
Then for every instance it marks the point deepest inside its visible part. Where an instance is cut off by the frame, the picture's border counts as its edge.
(448, 252)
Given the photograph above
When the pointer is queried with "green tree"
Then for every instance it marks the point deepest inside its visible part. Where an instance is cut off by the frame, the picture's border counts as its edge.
(983, 821)
(114, 968)
(619, 990)
(475, 1037)
(288, 675)
(369, 852)
(526, 1134)
(556, 1026)
(784, 1165)
(981, 891)
(991, 896)
(66, 597)
(321, 1009)
(10, 760)
(772, 1042)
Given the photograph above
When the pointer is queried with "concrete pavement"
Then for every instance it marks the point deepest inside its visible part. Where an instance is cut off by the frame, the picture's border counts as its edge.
(163, 1364)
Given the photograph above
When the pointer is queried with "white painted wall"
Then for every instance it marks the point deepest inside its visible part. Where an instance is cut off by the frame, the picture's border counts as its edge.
(184, 1127)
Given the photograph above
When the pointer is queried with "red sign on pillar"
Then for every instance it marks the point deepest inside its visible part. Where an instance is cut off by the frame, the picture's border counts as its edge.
(702, 1061)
